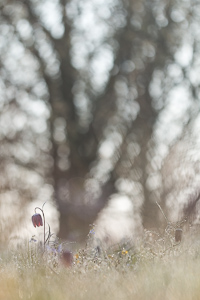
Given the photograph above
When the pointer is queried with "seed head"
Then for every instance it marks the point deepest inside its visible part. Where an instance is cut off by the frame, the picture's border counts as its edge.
(37, 220)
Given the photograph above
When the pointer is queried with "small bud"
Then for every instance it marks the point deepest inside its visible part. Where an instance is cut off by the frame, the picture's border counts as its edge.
(178, 234)
(37, 220)
(67, 258)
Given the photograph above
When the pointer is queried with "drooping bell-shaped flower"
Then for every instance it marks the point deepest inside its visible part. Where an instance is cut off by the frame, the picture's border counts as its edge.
(178, 234)
(67, 258)
(37, 220)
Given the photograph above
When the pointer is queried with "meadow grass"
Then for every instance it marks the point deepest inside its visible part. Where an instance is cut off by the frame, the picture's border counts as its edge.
(155, 270)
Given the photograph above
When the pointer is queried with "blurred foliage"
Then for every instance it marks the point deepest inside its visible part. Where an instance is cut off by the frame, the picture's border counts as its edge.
(97, 98)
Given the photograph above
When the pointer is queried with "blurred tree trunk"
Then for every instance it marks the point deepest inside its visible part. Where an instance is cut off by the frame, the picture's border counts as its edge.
(144, 38)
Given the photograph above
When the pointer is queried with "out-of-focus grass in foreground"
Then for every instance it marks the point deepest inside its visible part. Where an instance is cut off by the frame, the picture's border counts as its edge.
(150, 272)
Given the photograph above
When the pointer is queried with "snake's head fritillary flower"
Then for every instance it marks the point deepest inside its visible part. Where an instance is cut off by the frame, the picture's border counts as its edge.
(67, 258)
(178, 234)
(37, 220)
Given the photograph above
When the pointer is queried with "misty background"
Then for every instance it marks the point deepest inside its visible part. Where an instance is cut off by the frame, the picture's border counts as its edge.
(99, 115)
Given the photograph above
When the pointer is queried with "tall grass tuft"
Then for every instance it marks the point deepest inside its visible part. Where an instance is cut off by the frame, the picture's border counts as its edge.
(160, 266)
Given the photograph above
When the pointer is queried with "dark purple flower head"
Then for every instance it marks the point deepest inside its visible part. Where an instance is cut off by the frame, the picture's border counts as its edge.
(37, 220)
(67, 258)
(178, 234)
